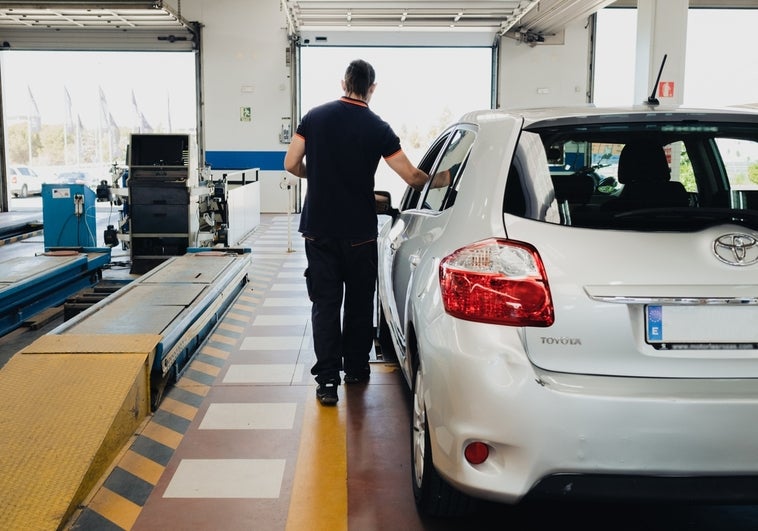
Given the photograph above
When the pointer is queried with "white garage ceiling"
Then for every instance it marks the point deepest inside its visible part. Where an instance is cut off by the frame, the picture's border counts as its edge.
(496, 17)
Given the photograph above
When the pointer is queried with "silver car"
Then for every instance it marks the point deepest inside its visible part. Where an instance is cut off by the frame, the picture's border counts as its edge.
(573, 301)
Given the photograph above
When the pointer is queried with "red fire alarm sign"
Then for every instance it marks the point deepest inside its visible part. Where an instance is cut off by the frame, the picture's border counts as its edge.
(666, 89)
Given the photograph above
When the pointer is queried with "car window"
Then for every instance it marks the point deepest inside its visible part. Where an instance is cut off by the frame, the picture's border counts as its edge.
(412, 197)
(443, 186)
(642, 175)
(529, 189)
(740, 162)
(681, 166)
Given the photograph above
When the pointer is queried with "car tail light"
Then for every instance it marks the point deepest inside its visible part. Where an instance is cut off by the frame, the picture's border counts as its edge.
(497, 281)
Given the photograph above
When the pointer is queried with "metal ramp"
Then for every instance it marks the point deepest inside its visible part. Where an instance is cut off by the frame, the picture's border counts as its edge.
(182, 300)
(71, 400)
(31, 284)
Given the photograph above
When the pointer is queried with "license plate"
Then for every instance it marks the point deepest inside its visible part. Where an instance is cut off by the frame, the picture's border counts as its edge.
(701, 324)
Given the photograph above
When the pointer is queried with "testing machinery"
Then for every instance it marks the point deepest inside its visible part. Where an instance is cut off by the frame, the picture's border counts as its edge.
(169, 204)
(68, 212)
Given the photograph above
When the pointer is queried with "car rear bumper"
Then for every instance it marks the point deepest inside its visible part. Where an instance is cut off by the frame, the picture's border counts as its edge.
(548, 430)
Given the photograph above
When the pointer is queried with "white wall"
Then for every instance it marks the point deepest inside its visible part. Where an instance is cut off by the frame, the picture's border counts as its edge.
(244, 65)
(546, 74)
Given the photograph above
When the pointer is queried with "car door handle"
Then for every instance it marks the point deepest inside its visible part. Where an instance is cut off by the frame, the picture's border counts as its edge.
(414, 260)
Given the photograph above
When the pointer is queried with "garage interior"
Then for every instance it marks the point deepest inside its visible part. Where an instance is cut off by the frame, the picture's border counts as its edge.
(237, 441)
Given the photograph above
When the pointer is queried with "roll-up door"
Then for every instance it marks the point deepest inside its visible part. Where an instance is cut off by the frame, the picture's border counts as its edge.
(103, 26)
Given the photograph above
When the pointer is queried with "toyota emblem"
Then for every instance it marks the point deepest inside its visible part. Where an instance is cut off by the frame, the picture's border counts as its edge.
(736, 248)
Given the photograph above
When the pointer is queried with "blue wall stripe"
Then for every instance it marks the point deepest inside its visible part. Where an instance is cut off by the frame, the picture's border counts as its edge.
(242, 160)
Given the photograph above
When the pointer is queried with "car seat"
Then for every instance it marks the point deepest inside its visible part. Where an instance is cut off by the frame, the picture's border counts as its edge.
(645, 174)
(576, 189)
(573, 193)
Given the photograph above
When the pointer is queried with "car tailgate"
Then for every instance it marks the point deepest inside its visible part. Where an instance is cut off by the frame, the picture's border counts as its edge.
(633, 303)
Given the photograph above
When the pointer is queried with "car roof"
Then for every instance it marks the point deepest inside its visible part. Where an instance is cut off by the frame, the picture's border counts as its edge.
(632, 113)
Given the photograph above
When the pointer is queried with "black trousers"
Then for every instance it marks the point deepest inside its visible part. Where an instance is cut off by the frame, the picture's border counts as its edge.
(340, 269)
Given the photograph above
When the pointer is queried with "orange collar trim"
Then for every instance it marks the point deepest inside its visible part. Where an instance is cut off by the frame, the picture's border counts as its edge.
(360, 103)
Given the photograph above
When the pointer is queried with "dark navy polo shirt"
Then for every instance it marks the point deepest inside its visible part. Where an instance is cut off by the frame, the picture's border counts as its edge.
(344, 141)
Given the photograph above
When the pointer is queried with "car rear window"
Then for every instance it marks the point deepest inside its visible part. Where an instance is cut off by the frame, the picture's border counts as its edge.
(642, 175)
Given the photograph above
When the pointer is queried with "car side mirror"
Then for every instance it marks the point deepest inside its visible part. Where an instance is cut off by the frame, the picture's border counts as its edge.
(383, 202)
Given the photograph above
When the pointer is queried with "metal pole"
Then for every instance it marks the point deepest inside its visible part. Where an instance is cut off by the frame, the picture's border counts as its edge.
(289, 218)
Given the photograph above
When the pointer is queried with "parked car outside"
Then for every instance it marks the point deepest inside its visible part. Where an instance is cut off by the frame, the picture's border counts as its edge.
(24, 181)
(564, 338)
(76, 177)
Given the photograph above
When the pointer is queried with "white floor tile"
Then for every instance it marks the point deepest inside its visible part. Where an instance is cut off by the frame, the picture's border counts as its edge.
(288, 286)
(273, 416)
(295, 302)
(291, 274)
(265, 373)
(227, 478)
(282, 320)
(272, 343)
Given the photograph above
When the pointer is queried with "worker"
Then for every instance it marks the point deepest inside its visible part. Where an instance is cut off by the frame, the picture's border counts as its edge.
(337, 148)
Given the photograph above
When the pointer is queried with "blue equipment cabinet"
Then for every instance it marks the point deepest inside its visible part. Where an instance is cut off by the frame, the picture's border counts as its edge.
(68, 215)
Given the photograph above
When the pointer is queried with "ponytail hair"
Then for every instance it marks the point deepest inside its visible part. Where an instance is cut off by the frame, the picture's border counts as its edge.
(359, 76)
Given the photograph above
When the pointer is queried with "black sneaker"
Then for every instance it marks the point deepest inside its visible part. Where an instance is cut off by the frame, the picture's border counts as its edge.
(356, 378)
(327, 393)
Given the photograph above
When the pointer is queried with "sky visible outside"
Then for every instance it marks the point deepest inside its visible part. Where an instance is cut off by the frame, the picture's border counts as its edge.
(151, 76)
(419, 91)
(417, 88)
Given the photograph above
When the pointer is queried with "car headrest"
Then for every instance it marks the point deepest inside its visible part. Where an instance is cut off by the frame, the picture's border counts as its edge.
(643, 161)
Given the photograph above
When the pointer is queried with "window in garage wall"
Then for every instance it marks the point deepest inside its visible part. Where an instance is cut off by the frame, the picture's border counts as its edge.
(720, 66)
(722, 63)
(420, 91)
(614, 56)
(75, 110)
